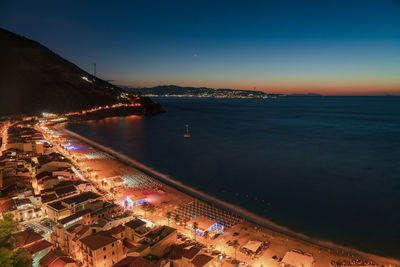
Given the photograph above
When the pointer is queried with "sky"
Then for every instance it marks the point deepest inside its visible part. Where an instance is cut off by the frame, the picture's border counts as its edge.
(342, 47)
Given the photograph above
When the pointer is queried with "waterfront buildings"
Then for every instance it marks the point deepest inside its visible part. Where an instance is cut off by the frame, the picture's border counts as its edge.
(101, 249)
(70, 216)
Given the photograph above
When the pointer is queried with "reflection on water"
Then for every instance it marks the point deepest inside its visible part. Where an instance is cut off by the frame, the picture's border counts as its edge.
(327, 167)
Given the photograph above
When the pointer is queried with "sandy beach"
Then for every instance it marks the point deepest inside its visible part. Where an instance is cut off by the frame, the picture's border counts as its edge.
(103, 162)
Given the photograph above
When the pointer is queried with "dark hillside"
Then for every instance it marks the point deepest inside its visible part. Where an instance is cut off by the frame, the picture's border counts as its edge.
(34, 79)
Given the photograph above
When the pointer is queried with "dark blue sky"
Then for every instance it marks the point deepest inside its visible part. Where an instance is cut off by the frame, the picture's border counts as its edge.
(330, 47)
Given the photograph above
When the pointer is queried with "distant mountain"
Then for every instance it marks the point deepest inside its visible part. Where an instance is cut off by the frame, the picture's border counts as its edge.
(174, 90)
(34, 79)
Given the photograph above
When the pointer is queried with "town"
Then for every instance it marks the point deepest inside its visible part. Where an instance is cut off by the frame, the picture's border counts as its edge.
(77, 205)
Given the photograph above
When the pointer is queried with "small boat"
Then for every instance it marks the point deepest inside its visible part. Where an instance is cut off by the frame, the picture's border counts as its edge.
(187, 134)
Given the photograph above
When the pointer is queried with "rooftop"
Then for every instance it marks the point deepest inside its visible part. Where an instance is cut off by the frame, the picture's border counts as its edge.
(132, 262)
(74, 216)
(65, 190)
(116, 230)
(201, 260)
(23, 201)
(189, 254)
(297, 258)
(55, 258)
(57, 205)
(98, 240)
(176, 253)
(27, 237)
(159, 233)
(135, 223)
(203, 223)
(85, 196)
(38, 246)
(48, 198)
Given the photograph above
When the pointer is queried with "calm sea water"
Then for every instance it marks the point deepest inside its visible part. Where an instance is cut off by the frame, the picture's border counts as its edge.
(328, 167)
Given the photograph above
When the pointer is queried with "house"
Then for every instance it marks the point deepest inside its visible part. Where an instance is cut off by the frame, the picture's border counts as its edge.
(203, 260)
(66, 191)
(56, 210)
(189, 255)
(38, 250)
(60, 236)
(136, 230)
(80, 201)
(101, 249)
(175, 256)
(140, 250)
(133, 262)
(25, 210)
(82, 217)
(65, 207)
(160, 240)
(34, 243)
(295, 258)
(117, 232)
(27, 237)
(73, 236)
(56, 258)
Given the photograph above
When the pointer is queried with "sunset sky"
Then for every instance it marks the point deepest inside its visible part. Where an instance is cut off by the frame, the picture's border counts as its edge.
(349, 47)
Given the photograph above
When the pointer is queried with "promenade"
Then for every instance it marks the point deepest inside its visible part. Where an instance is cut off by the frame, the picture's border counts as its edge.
(183, 203)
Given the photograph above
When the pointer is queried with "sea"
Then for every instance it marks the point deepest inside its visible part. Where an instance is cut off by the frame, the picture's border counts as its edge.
(327, 167)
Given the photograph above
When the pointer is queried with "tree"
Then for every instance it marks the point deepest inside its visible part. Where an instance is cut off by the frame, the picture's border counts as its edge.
(9, 256)
(206, 236)
(176, 218)
(195, 226)
(145, 206)
(235, 245)
(153, 210)
(168, 215)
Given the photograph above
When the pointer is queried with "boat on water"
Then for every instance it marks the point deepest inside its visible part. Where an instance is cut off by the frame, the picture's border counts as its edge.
(187, 134)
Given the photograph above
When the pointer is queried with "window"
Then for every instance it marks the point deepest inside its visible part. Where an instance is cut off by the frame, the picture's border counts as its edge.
(112, 245)
(113, 253)
(105, 256)
(104, 248)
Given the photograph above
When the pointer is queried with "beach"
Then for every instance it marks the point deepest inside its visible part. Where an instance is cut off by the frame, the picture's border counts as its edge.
(106, 162)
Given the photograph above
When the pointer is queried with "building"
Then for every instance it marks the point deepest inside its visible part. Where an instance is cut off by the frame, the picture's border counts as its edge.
(160, 240)
(38, 250)
(203, 260)
(134, 200)
(34, 243)
(63, 208)
(56, 210)
(204, 224)
(296, 258)
(133, 262)
(56, 258)
(101, 249)
(136, 229)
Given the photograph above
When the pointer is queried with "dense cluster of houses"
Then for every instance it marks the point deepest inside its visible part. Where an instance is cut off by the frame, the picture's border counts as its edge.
(64, 221)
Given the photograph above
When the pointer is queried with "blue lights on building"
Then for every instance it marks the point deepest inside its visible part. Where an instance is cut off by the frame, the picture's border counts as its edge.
(213, 228)
(130, 204)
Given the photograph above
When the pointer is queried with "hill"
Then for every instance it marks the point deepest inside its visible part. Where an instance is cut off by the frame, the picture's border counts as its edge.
(34, 79)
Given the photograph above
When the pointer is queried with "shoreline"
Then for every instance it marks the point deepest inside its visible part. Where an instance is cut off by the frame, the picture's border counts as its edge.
(241, 212)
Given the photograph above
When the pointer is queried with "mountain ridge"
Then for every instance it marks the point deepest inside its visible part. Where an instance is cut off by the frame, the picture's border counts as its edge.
(34, 79)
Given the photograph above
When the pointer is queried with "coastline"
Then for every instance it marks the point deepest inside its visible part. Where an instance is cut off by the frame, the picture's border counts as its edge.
(243, 213)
